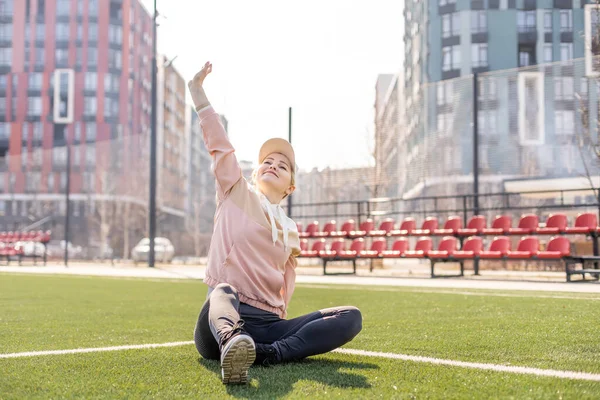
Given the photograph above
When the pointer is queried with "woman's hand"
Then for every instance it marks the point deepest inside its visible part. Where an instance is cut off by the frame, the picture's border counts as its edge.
(195, 86)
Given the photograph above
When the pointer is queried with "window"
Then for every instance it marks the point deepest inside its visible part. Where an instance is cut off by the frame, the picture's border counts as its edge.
(39, 56)
(444, 123)
(111, 83)
(62, 32)
(487, 123)
(3, 82)
(115, 34)
(62, 7)
(59, 156)
(479, 54)
(566, 20)
(6, 56)
(77, 133)
(526, 21)
(91, 81)
(564, 122)
(79, 8)
(548, 21)
(444, 93)
(548, 53)
(34, 106)
(6, 31)
(6, 8)
(40, 32)
(566, 51)
(447, 2)
(2, 106)
(93, 32)
(4, 130)
(38, 131)
(79, 57)
(451, 58)
(111, 107)
(563, 88)
(79, 32)
(90, 155)
(35, 81)
(450, 25)
(93, 8)
(478, 22)
(62, 57)
(92, 60)
(41, 8)
(89, 106)
(90, 131)
(526, 56)
(114, 59)
(583, 91)
(50, 182)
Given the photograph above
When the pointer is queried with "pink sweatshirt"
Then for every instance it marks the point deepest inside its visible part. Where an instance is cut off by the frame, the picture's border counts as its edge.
(242, 252)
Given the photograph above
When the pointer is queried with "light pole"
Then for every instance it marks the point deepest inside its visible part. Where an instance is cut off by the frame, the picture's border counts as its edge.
(152, 191)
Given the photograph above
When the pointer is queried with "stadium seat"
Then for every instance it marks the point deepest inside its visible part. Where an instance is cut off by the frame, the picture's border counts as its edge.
(299, 226)
(424, 245)
(337, 246)
(311, 229)
(475, 226)
(398, 249)
(584, 224)
(329, 227)
(528, 246)
(365, 227)
(347, 227)
(527, 225)
(451, 227)
(384, 228)
(558, 247)
(556, 223)
(377, 247)
(445, 249)
(471, 248)
(406, 227)
(500, 226)
(317, 247)
(429, 225)
(356, 247)
(303, 244)
(498, 249)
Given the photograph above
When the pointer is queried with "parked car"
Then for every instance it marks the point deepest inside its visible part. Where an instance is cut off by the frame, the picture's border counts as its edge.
(163, 250)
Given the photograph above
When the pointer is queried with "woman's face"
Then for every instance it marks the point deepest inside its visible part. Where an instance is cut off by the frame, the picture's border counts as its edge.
(274, 175)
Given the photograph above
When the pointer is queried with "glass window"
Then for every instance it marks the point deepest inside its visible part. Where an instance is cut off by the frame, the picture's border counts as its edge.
(450, 25)
(6, 56)
(564, 122)
(563, 88)
(91, 81)
(6, 8)
(526, 21)
(62, 31)
(62, 7)
(548, 58)
(566, 20)
(62, 57)
(34, 106)
(90, 131)
(35, 81)
(6, 31)
(479, 53)
(451, 58)
(40, 32)
(478, 21)
(89, 106)
(93, 32)
(566, 51)
(92, 60)
(548, 21)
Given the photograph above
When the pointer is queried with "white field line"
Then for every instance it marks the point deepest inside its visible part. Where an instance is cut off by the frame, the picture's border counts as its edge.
(429, 360)
(442, 291)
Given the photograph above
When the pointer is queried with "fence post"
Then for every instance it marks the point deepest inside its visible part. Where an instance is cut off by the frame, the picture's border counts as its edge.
(475, 144)
(464, 210)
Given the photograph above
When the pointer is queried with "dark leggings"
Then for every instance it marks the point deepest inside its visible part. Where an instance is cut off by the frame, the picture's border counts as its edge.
(315, 333)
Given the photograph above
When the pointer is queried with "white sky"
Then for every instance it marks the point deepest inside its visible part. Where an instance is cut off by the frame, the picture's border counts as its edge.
(320, 57)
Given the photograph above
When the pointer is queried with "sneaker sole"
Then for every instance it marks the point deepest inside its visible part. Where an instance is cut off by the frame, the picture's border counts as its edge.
(238, 358)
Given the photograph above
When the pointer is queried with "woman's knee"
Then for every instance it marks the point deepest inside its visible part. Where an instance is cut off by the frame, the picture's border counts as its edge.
(354, 320)
(224, 289)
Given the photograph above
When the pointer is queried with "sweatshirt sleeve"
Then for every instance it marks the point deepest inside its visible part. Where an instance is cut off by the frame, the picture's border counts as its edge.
(225, 166)
(289, 280)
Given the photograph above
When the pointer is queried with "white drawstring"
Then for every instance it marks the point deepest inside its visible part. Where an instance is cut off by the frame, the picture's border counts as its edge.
(278, 215)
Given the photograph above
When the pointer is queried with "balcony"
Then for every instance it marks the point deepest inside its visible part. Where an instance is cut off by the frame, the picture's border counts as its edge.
(527, 34)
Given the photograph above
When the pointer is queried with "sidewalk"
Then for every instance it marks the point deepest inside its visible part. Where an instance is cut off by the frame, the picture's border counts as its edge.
(398, 277)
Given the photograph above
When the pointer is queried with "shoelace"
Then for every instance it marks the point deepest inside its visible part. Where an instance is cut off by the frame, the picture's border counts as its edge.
(237, 328)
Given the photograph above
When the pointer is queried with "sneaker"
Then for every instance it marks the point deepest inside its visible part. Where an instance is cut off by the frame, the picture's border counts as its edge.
(237, 355)
(266, 355)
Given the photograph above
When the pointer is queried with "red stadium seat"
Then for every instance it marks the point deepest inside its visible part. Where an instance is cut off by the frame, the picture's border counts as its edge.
(311, 229)
(475, 226)
(558, 247)
(528, 246)
(445, 249)
(423, 246)
(317, 247)
(556, 223)
(398, 249)
(499, 248)
(527, 225)
(451, 227)
(471, 248)
(356, 247)
(584, 224)
(500, 226)
(337, 246)
(406, 227)
(299, 226)
(329, 227)
(365, 227)
(429, 225)
(303, 244)
(377, 247)
(385, 227)
(347, 227)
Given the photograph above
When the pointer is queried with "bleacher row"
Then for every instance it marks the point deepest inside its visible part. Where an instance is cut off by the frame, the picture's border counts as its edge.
(12, 244)
(457, 244)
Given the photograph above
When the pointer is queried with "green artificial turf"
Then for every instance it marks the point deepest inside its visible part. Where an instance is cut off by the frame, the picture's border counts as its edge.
(529, 329)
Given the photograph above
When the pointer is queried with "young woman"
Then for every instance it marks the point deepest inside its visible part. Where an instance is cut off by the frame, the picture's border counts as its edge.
(252, 261)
